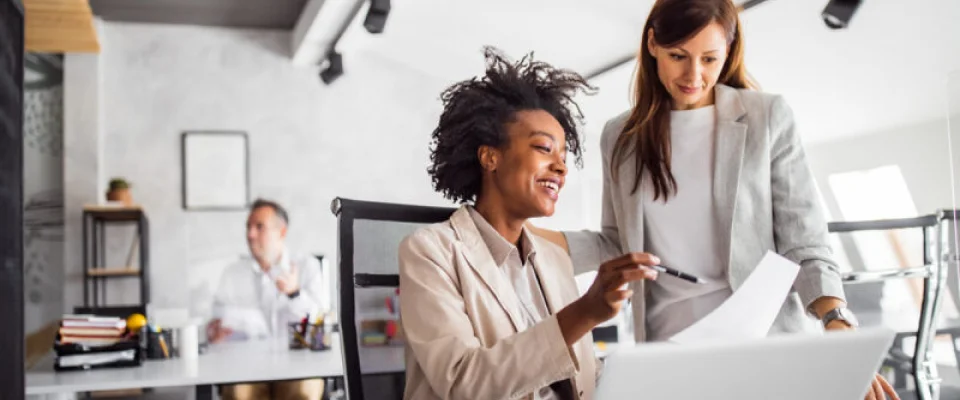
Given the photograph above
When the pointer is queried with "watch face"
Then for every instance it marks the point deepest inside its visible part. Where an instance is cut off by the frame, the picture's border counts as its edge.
(848, 316)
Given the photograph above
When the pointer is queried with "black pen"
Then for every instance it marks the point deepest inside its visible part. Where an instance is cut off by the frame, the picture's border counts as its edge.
(682, 275)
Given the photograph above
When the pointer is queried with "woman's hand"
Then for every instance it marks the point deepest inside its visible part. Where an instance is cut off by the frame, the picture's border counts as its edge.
(216, 332)
(880, 389)
(605, 297)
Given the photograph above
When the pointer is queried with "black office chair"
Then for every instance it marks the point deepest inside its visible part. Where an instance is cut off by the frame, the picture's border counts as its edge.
(369, 235)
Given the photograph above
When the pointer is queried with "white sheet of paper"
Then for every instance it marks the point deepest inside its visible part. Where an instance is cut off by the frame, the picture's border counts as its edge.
(750, 311)
(246, 322)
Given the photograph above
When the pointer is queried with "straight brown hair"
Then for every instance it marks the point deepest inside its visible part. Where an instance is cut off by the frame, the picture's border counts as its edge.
(646, 135)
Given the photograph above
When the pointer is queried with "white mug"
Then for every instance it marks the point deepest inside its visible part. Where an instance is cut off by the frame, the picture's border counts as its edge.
(189, 342)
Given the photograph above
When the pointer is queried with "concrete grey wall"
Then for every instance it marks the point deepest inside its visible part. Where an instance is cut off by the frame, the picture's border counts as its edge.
(366, 136)
(43, 192)
(82, 176)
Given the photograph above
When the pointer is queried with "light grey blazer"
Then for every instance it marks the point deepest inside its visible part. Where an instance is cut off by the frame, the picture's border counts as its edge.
(764, 196)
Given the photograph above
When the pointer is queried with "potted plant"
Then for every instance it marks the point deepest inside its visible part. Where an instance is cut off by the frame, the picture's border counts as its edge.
(120, 191)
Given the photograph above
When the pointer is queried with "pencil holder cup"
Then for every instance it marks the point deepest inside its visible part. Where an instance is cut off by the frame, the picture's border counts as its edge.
(159, 344)
(307, 336)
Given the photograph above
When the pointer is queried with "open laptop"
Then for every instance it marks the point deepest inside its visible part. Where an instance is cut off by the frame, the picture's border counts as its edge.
(836, 366)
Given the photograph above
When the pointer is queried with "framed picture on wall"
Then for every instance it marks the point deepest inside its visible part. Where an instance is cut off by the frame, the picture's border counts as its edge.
(216, 170)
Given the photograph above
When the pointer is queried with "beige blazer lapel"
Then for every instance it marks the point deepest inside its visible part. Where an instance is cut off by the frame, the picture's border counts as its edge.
(554, 288)
(559, 290)
(727, 164)
(480, 260)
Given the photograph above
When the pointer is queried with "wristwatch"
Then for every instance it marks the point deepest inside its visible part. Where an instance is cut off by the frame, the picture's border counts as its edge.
(843, 314)
(295, 294)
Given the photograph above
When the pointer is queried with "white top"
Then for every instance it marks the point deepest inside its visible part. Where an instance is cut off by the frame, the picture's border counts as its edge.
(682, 230)
(249, 302)
(519, 270)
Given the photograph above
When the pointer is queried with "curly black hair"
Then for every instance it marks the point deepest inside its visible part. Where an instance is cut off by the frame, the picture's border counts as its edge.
(476, 112)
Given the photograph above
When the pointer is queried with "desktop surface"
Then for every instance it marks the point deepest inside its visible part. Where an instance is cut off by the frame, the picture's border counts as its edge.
(251, 361)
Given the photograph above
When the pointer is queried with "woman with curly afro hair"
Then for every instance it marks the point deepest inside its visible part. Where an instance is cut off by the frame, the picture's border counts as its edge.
(491, 311)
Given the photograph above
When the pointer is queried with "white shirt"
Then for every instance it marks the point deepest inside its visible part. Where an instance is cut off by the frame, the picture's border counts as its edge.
(682, 231)
(248, 301)
(519, 271)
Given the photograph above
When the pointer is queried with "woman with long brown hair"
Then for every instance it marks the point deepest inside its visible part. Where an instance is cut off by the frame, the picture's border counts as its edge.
(708, 174)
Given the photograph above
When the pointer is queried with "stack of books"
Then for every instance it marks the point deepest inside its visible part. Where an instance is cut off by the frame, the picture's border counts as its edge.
(88, 341)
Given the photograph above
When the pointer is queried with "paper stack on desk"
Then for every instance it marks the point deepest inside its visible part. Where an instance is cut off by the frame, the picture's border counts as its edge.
(751, 310)
(91, 330)
(86, 341)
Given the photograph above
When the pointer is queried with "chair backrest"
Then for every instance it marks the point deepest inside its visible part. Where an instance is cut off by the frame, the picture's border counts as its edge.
(369, 235)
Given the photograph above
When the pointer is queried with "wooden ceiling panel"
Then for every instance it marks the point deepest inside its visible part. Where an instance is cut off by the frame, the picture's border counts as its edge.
(60, 26)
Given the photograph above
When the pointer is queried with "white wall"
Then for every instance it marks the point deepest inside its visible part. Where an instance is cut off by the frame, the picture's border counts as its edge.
(920, 151)
(366, 136)
(82, 178)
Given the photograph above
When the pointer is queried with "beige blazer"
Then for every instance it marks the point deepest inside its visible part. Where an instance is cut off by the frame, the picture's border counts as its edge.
(765, 199)
(460, 316)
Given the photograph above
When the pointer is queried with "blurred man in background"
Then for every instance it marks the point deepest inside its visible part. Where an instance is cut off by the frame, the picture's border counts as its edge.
(260, 295)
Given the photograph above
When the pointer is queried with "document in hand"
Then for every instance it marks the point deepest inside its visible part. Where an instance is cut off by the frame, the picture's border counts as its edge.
(750, 311)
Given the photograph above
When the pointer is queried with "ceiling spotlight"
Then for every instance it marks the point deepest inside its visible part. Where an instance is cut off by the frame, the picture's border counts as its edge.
(837, 13)
(334, 68)
(377, 16)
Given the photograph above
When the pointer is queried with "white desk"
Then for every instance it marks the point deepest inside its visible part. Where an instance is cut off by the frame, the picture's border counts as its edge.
(255, 361)
(222, 363)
